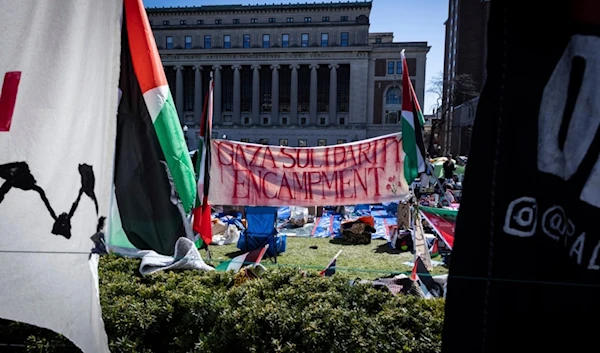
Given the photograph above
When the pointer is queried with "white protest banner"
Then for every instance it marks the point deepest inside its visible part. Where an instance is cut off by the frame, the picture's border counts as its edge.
(368, 171)
(59, 68)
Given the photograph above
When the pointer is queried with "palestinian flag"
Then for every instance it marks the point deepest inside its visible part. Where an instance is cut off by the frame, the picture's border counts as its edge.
(250, 258)
(428, 285)
(330, 269)
(232, 265)
(256, 255)
(154, 181)
(434, 251)
(202, 212)
(412, 128)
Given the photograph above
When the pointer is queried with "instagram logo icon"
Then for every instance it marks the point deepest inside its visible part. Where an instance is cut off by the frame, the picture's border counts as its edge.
(521, 217)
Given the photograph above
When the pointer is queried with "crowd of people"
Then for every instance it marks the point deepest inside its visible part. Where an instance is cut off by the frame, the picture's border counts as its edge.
(445, 188)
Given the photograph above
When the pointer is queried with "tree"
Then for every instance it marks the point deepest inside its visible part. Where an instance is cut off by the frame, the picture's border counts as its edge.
(461, 89)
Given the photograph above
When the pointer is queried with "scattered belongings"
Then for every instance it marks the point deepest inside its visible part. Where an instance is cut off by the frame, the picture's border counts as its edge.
(358, 231)
(226, 229)
(298, 216)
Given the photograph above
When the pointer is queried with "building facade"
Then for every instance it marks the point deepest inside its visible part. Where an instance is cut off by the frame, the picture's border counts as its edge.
(296, 74)
(465, 56)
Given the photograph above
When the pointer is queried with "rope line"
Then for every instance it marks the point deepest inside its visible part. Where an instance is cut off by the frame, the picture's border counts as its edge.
(267, 263)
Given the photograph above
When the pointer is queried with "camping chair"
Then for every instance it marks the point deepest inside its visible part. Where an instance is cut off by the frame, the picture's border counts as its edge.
(261, 230)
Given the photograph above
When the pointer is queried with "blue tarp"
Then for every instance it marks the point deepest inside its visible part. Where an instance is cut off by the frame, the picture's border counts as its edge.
(328, 225)
(283, 213)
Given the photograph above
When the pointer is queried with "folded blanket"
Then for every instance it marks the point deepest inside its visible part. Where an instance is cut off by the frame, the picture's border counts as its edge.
(186, 257)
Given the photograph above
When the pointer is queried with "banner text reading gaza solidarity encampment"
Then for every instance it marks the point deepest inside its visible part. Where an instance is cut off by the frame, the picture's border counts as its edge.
(368, 171)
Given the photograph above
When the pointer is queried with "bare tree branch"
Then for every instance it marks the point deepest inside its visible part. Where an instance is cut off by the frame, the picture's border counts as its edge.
(462, 89)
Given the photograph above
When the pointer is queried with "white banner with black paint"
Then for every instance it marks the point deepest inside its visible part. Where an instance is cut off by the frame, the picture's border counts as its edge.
(59, 72)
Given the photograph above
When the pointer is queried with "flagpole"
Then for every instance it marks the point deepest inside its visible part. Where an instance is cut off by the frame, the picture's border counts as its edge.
(338, 254)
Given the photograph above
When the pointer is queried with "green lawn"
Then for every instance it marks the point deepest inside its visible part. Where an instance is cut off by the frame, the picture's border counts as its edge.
(362, 261)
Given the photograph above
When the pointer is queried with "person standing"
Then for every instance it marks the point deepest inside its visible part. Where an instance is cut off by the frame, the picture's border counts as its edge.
(449, 167)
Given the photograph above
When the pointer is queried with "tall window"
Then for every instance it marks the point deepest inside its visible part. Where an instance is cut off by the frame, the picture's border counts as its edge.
(169, 44)
(324, 39)
(343, 88)
(377, 40)
(307, 19)
(171, 79)
(344, 39)
(303, 88)
(285, 82)
(207, 42)
(272, 20)
(285, 40)
(236, 21)
(266, 40)
(392, 105)
(226, 41)
(344, 19)
(188, 90)
(289, 19)
(399, 67)
(246, 98)
(390, 67)
(304, 37)
(227, 88)
(326, 19)
(182, 22)
(265, 89)
(246, 41)
(322, 89)
(188, 42)
(254, 20)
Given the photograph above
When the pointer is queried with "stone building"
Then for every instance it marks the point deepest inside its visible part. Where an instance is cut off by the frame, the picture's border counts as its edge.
(289, 74)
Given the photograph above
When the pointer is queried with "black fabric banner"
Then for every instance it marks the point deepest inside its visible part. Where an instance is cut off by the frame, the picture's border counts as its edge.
(525, 270)
(151, 216)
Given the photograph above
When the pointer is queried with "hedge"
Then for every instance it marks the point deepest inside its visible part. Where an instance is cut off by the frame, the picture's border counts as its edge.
(283, 311)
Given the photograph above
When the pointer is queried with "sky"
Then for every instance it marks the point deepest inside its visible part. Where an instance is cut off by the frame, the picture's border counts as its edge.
(410, 20)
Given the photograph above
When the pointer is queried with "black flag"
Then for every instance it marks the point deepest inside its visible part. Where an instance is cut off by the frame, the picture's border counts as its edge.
(525, 272)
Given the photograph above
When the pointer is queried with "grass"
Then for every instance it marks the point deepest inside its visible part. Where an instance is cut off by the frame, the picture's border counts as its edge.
(356, 261)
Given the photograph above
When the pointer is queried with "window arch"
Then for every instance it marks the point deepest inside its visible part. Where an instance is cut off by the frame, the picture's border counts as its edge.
(392, 105)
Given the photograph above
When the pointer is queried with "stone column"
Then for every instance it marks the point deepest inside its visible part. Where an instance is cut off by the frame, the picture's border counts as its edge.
(217, 116)
(313, 92)
(275, 94)
(333, 93)
(237, 94)
(255, 94)
(198, 94)
(179, 92)
(294, 93)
